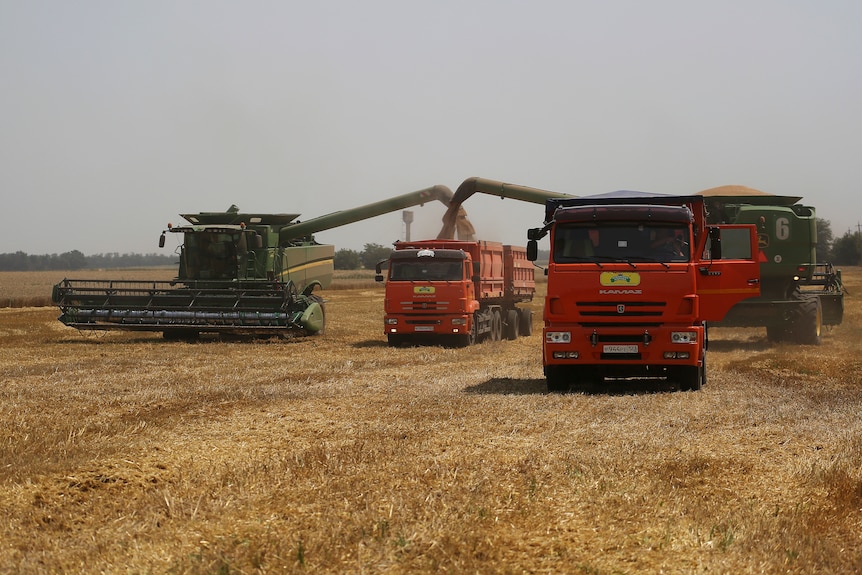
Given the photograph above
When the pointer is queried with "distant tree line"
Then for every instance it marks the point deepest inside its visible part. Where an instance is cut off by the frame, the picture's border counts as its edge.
(75, 260)
(366, 259)
(844, 250)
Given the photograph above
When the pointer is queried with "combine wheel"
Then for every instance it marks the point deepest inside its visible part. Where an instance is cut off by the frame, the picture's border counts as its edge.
(807, 321)
(526, 327)
(180, 335)
(319, 300)
(776, 332)
(512, 324)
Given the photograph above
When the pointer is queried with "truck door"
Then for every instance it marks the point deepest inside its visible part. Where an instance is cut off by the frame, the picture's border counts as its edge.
(731, 277)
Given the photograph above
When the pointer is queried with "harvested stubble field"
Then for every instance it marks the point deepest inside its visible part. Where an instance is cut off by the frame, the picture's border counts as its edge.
(124, 453)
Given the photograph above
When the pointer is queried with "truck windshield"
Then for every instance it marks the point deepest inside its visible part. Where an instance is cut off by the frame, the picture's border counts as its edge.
(653, 242)
(423, 270)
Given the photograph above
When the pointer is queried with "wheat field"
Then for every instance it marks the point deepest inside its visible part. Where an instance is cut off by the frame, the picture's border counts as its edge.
(125, 453)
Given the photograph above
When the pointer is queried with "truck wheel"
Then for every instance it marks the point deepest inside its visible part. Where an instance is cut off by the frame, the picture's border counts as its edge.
(395, 339)
(807, 321)
(496, 325)
(526, 323)
(558, 379)
(689, 377)
(468, 339)
(512, 324)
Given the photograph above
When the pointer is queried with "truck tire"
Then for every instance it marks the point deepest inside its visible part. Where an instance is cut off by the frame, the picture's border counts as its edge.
(806, 320)
(468, 339)
(496, 325)
(526, 321)
(512, 324)
(690, 377)
(558, 378)
(395, 339)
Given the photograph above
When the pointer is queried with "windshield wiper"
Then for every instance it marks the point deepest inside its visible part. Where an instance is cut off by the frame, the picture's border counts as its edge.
(578, 259)
(648, 259)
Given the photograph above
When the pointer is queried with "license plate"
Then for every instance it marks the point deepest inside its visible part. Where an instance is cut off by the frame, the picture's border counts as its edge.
(620, 349)
(423, 328)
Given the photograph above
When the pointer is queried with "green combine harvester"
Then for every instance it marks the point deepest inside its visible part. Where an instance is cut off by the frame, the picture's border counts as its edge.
(798, 294)
(239, 273)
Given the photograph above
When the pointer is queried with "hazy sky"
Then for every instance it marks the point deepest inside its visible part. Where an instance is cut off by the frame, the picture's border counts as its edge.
(117, 116)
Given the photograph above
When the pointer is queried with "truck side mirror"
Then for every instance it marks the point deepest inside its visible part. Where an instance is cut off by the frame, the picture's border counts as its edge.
(162, 240)
(715, 243)
(532, 250)
(378, 271)
(534, 234)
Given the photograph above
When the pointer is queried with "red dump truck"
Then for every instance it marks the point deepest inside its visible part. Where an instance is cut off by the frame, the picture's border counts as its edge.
(633, 278)
(453, 291)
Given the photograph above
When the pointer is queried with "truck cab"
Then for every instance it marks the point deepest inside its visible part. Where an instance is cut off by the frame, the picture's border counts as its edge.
(632, 280)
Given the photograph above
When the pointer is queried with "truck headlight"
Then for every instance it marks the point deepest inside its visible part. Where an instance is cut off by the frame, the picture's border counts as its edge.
(558, 337)
(683, 336)
(459, 321)
(391, 321)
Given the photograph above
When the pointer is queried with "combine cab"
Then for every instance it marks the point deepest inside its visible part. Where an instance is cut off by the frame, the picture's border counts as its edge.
(239, 273)
(798, 294)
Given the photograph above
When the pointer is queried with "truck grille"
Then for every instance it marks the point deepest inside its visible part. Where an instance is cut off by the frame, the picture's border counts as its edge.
(425, 305)
(621, 313)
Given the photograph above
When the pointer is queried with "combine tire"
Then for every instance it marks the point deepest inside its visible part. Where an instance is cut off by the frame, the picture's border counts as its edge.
(512, 324)
(526, 327)
(180, 335)
(319, 300)
(776, 332)
(806, 321)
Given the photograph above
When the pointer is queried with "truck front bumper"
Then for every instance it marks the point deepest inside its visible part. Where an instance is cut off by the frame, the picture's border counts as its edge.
(610, 346)
(426, 324)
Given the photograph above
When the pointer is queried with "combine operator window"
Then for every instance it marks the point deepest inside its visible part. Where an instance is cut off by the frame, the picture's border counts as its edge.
(427, 271)
(210, 255)
(656, 242)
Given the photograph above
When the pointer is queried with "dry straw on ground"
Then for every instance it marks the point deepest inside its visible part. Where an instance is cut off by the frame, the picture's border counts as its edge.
(122, 453)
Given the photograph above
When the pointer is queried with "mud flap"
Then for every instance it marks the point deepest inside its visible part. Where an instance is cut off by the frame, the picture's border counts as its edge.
(313, 319)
